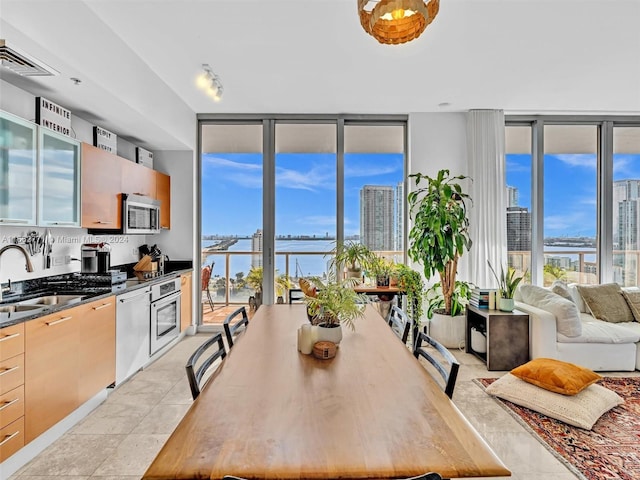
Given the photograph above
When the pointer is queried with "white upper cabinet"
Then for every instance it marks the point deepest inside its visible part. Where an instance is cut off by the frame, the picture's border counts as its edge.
(18, 170)
(59, 180)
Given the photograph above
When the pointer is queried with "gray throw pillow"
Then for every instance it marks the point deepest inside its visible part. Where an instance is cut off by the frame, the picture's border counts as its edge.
(560, 288)
(606, 302)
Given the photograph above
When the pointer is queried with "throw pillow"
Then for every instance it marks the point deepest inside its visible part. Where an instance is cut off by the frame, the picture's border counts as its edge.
(577, 298)
(560, 288)
(556, 376)
(567, 315)
(581, 410)
(606, 302)
(633, 300)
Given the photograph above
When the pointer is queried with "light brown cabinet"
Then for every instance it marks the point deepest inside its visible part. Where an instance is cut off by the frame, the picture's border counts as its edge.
(163, 194)
(185, 301)
(101, 188)
(69, 358)
(138, 179)
(11, 390)
(98, 347)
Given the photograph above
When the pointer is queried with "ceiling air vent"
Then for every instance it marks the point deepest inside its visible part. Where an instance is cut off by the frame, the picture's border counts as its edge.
(21, 63)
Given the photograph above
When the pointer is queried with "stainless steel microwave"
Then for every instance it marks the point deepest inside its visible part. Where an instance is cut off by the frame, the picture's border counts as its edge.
(140, 214)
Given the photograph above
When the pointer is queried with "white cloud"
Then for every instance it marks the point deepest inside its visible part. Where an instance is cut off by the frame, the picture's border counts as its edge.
(318, 220)
(223, 162)
(578, 159)
(355, 171)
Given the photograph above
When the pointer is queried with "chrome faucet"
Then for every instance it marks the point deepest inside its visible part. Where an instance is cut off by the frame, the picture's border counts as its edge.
(28, 264)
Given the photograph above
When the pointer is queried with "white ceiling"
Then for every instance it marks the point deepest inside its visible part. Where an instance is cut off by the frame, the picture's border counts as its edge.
(138, 59)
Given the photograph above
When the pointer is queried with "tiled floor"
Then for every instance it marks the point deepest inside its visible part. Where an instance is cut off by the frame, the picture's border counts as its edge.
(119, 439)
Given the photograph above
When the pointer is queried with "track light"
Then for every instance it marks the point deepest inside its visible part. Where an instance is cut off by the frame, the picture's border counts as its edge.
(210, 83)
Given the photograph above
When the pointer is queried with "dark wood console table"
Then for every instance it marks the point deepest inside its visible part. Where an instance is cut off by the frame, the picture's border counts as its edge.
(507, 335)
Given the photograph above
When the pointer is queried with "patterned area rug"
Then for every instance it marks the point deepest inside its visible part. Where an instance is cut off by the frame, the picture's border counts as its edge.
(611, 450)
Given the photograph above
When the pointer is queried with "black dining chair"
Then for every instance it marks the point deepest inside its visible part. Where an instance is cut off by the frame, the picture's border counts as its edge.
(196, 369)
(231, 327)
(445, 363)
(296, 295)
(426, 476)
(399, 323)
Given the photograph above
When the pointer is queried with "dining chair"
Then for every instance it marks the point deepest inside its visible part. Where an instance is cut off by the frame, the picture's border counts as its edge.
(399, 323)
(230, 327)
(206, 277)
(296, 295)
(194, 375)
(445, 363)
(426, 476)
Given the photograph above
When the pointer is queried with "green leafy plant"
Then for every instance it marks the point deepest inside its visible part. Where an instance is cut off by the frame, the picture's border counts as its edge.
(440, 232)
(411, 283)
(379, 266)
(335, 302)
(353, 256)
(507, 282)
(255, 277)
(459, 299)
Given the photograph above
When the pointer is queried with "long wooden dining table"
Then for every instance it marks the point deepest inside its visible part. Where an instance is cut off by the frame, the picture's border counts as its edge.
(372, 411)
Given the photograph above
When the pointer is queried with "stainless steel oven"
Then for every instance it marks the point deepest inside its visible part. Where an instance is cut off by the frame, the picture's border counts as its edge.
(165, 313)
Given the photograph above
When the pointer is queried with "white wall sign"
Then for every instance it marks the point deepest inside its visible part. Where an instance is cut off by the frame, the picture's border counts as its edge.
(105, 140)
(145, 157)
(53, 116)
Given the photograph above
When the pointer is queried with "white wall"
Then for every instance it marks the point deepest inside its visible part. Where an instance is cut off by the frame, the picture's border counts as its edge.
(68, 241)
(437, 141)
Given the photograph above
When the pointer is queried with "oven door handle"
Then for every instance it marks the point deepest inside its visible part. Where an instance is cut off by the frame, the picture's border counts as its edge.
(168, 299)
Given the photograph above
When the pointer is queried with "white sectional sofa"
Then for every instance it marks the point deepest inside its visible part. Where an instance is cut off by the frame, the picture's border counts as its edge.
(600, 345)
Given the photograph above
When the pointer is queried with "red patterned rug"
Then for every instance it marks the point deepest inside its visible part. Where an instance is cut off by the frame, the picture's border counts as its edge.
(611, 450)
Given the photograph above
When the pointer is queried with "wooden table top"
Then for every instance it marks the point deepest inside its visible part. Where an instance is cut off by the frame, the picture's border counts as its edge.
(373, 411)
(379, 290)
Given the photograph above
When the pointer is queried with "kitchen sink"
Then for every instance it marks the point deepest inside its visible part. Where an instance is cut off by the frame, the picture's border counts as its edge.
(52, 300)
(19, 308)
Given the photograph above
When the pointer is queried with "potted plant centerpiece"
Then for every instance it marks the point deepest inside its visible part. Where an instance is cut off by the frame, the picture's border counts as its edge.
(438, 238)
(507, 284)
(331, 304)
(381, 269)
(352, 257)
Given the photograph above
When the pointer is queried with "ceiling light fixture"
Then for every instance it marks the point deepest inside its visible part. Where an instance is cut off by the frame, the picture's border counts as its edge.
(210, 83)
(396, 21)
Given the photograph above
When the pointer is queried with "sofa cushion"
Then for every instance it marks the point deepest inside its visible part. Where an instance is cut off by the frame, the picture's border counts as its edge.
(581, 410)
(633, 300)
(556, 375)
(566, 312)
(562, 289)
(606, 302)
(577, 298)
(599, 331)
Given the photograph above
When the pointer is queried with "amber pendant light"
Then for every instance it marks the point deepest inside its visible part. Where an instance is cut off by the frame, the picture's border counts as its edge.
(397, 21)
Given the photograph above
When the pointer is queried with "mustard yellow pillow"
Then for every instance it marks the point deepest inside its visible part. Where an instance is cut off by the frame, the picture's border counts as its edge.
(556, 376)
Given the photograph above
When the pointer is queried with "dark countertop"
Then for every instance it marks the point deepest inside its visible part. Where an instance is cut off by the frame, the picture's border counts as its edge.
(89, 294)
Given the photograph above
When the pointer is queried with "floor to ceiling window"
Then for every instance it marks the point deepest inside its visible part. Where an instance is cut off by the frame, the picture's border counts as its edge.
(584, 174)
(279, 193)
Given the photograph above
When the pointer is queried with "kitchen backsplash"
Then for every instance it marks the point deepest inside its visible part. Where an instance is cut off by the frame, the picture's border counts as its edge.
(66, 246)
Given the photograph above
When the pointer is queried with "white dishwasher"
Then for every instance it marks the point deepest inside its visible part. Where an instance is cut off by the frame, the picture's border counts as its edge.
(133, 332)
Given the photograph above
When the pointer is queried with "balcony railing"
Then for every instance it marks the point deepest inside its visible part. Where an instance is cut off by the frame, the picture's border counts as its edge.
(227, 288)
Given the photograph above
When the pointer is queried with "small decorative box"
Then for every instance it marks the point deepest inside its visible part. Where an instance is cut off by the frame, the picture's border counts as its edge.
(324, 350)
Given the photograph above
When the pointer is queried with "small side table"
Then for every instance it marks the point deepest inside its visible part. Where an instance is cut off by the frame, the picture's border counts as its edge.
(507, 337)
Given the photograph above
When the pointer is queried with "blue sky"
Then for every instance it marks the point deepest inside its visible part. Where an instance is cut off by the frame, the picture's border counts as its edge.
(570, 184)
(305, 191)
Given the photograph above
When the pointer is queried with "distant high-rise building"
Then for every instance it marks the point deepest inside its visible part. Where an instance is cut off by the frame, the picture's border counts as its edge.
(376, 217)
(518, 229)
(256, 246)
(399, 217)
(626, 211)
(512, 196)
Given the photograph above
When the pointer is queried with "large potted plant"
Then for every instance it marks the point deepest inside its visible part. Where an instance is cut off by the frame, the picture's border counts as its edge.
(352, 257)
(438, 238)
(331, 304)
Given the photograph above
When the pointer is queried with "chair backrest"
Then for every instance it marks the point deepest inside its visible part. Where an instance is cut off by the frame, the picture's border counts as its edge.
(230, 328)
(446, 364)
(399, 323)
(426, 476)
(196, 370)
(296, 295)
(206, 277)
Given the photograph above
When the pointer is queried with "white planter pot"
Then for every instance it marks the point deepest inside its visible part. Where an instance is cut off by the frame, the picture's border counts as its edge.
(329, 334)
(448, 330)
(506, 304)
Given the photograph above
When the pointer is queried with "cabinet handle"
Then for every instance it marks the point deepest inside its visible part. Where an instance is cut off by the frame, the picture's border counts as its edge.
(10, 369)
(12, 220)
(104, 305)
(10, 402)
(9, 437)
(103, 223)
(8, 337)
(62, 223)
(60, 320)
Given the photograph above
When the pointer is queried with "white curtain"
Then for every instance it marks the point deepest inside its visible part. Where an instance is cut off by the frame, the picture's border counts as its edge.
(488, 219)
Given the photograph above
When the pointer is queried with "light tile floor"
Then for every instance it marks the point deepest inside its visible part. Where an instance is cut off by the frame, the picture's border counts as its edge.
(120, 438)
